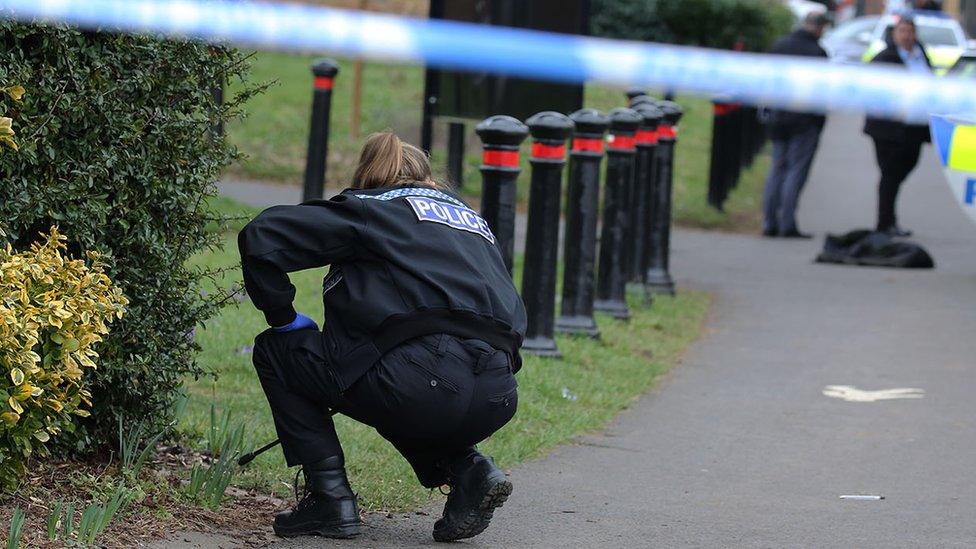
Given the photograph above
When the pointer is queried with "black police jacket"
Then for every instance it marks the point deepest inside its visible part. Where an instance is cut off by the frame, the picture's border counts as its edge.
(888, 129)
(405, 262)
(783, 123)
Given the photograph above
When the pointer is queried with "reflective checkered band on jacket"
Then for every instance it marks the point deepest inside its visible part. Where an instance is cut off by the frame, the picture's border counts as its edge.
(414, 191)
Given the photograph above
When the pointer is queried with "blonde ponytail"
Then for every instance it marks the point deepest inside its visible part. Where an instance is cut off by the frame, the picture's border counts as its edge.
(386, 161)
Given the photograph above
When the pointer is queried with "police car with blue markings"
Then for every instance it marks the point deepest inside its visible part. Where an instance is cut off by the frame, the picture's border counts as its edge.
(943, 37)
(954, 138)
(965, 66)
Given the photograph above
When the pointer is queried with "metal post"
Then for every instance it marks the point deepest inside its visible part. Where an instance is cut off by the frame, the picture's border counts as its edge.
(430, 107)
(582, 215)
(501, 137)
(643, 194)
(749, 135)
(653, 117)
(355, 121)
(455, 154)
(549, 132)
(658, 277)
(324, 72)
(721, 107)
(356, 118)
(611, 285)
(735, 154)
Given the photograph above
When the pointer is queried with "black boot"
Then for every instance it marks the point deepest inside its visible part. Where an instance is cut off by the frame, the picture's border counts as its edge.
(477, 489)
(328, 508)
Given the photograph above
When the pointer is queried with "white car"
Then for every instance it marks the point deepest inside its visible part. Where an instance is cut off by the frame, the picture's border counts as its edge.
(801, 8)
(847, 42)
(943, 37)
(965, 67)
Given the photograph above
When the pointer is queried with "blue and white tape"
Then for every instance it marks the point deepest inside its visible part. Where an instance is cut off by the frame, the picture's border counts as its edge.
(774, 80)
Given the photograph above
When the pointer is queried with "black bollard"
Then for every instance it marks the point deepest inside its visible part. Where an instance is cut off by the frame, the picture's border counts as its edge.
(455, 154)
(582, 215)
(611, 285)
(735, 153)
(658, 276)
(324, 71)
(635, 92)
(747, 139)
(718, 165)
(501, 137)
(643, 193)
(549, 132)
(641, 100)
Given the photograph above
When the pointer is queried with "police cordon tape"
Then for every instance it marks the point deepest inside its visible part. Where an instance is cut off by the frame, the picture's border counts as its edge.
(797, 83)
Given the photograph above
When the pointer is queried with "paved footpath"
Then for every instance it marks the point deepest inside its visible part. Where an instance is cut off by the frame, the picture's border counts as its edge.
(738, 447)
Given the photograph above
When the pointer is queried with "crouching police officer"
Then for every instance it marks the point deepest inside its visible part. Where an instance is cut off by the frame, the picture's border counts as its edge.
(422, 333)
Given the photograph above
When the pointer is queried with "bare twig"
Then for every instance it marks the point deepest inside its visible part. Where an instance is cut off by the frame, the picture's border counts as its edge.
(50, 114)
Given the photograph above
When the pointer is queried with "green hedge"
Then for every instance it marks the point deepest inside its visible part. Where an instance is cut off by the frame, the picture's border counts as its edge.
(115, 151)
(709, 23)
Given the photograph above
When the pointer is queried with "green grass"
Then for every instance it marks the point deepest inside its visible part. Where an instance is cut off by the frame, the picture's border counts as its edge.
(274, 135)
(606, 375)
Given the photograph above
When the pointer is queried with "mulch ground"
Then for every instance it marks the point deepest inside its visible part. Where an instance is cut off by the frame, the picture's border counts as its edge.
(245, 515)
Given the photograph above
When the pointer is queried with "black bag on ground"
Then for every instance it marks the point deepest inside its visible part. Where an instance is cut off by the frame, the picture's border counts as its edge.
(874, 249)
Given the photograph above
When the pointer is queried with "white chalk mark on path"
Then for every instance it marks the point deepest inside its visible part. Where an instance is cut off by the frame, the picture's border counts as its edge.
(853, 394)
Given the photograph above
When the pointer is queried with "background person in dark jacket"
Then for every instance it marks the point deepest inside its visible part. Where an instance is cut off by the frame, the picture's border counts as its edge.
(896, 143)
(795, 136)
(422, 333)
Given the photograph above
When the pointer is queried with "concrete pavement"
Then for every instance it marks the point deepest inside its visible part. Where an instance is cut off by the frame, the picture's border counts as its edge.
(739, 447)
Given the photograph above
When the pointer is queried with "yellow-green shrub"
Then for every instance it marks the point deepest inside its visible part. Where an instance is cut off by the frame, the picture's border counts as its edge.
(116, 149)
(6, 124)
(53, 311)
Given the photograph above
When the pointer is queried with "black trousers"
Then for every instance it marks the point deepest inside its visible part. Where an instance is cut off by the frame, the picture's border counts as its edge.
(433, 397)
(896, 159)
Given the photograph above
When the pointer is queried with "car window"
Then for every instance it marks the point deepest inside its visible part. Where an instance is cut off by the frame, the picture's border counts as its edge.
(937, 36)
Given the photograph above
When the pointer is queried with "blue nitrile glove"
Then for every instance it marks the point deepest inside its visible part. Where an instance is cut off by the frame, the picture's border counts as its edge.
(301, 322)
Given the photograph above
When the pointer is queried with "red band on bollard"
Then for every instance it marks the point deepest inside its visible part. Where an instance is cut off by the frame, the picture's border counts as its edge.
(726, 108)
(500, 159)
(667, 132)
(587, 144)
(646, 137)
(323, 83)
(621, 142)
(548, 152)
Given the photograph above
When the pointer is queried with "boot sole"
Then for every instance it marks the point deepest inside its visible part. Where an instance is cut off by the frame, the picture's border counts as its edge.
(496, 494)
(333, 532)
